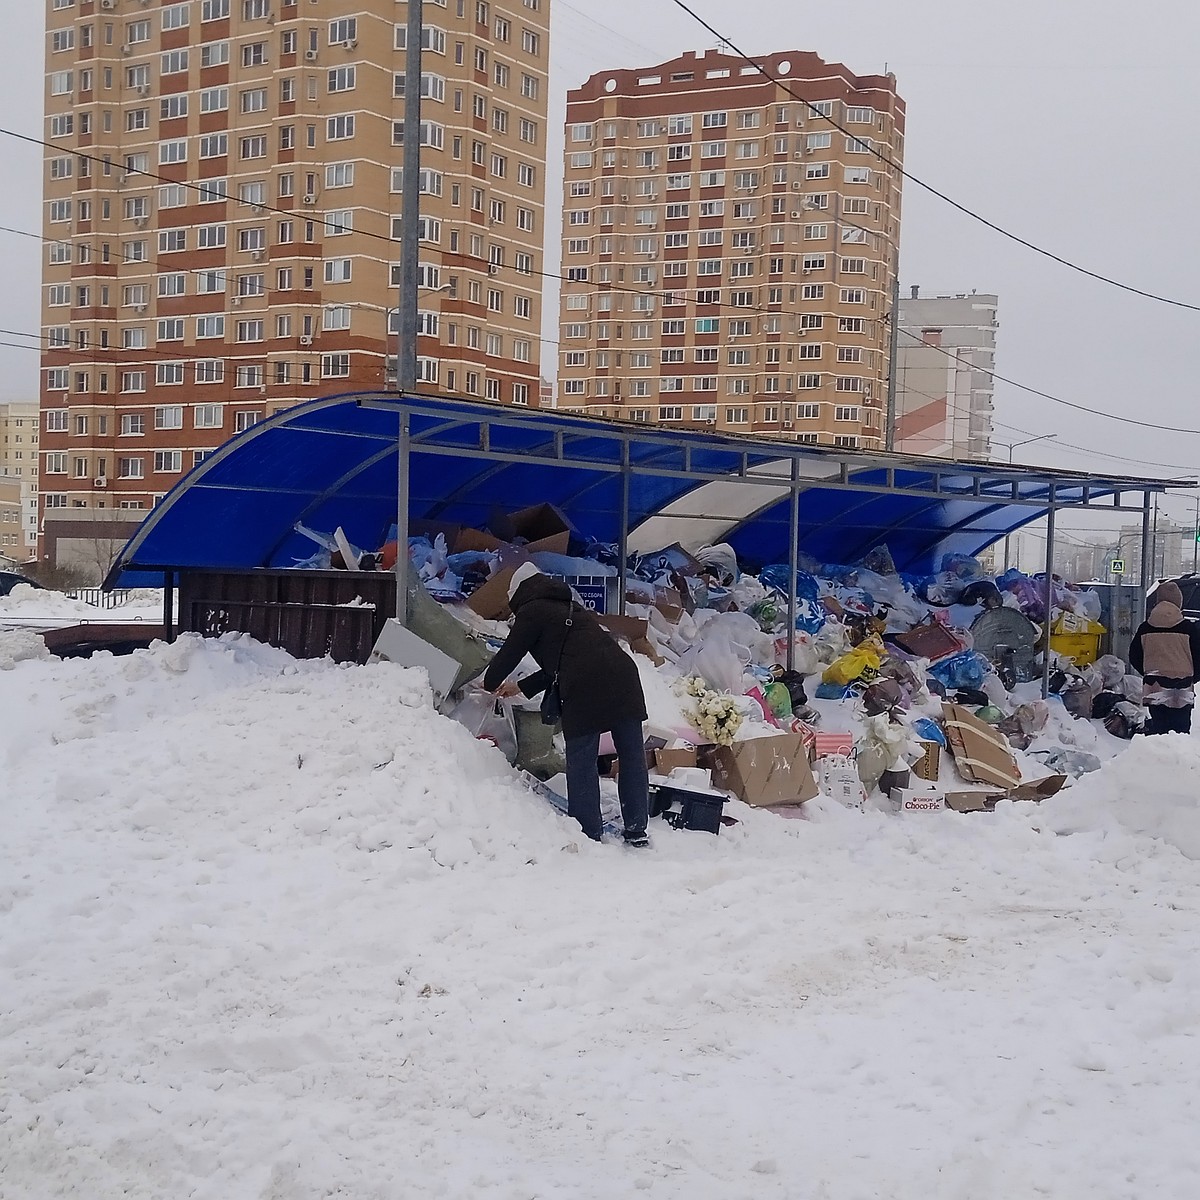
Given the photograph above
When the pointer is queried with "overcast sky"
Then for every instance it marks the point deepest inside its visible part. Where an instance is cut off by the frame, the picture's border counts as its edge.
(1069, 122)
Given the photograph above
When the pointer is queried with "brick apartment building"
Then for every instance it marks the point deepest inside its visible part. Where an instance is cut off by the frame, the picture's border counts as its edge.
(175, 316)
(729, 253)
(19, 425)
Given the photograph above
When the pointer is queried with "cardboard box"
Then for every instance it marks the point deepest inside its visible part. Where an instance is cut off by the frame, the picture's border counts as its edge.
(666, 760)
(764, 771)
(534, 524)
(633, 630)
(475, 539)
(986, 800)
(981, 752)
(918, 800)
(669, 602)
(965, 802)
(929, 765)
(491, 600)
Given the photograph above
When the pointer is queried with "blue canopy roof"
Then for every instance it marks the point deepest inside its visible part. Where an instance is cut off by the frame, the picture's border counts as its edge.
(333, 462)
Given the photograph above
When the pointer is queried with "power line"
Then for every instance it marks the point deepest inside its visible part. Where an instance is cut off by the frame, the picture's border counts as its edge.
(485, 266)
(1024, 387)
(962, 208)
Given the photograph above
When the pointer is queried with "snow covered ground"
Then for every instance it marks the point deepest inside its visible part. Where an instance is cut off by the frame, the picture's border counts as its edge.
(41, 608)
(276, 931)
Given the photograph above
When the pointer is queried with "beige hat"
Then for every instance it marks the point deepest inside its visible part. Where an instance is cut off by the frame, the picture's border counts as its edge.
(523, 572)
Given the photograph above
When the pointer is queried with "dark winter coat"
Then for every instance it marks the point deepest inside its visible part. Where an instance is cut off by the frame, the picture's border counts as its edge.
(598, 680)
(1166, 649)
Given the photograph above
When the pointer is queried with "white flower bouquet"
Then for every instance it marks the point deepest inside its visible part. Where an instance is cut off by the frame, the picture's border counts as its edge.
(715, 716)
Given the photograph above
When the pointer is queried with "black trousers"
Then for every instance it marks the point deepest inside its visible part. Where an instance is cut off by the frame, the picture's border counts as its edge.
(583, 782)
(1160, 718)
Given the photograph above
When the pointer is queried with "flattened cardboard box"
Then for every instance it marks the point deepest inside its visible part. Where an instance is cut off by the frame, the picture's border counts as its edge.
(981, 753)
(764, 771)
(985, 801)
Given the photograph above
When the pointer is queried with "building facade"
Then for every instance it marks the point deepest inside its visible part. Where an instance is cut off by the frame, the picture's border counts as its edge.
(729, 246)
(19, 429)
(946, 354)
(222, 206)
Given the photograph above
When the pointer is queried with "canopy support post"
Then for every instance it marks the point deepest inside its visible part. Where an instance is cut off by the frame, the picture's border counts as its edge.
(623, 540)
(1049, 593)
(1147, 555)
(793, 563)
(402, 484)
(169, 606)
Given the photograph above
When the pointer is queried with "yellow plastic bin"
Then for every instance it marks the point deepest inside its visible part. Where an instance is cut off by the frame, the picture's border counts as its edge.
(1076, 638)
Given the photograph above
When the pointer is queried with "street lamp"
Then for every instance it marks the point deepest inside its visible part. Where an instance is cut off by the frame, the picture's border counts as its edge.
(1011, 446)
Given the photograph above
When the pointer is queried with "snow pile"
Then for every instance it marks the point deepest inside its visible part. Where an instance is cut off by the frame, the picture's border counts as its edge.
(275, 931)
(1152, 790)
(18, 645)
(43, 608)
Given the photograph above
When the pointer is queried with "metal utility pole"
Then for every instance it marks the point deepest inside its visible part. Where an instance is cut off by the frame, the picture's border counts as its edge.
(407, 317)
(1196, 539)
(889, 442)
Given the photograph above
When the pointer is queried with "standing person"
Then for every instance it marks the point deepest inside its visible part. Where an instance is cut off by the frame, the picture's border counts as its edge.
(600, 692)
(1166, 652)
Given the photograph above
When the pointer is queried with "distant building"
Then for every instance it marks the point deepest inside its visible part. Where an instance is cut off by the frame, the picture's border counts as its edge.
(546, 393)
(728, 246)
(1169, 543)
(19, 480)
(946, 355)
(222, 199)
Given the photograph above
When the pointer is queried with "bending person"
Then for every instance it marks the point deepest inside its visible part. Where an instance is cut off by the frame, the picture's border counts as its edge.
(600, 690)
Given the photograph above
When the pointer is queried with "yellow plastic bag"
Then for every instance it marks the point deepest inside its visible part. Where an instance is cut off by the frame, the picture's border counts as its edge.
(863, 660)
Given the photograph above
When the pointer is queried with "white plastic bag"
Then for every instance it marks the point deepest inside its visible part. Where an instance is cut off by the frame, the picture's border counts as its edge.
(489, 719)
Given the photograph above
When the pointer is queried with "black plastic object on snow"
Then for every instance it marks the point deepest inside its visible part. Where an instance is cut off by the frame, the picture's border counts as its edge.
(684, 809)
(1007, 639)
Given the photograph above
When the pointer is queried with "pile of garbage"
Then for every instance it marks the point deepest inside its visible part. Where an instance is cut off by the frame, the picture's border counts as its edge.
(856, 680)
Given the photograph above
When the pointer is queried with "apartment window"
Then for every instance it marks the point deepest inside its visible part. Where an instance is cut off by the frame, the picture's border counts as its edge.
(168, 461)
(342, 79)
(249, 376)
(737, 416)
(208, 416)
(808, 383)
(250, 331)
(214, 54)
(210, 326)
(338, 270)
(174, 62)
(857, 174)
(339, 175)
(170, 329)
(254, 55)
(851, 325)
(210, 370)
(176, 16)
(853, 296)
(131, 468)
(339, 128)
(244, 420)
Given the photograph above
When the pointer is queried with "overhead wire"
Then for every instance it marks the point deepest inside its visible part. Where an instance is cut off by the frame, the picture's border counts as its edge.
(928, 187)
(485, 267)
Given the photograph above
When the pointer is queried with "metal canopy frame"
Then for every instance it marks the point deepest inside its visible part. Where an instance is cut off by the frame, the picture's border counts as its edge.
(744, 487)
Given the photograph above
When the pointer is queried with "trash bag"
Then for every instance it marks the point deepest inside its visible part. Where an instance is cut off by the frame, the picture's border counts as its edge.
(793, 681)
(779, 700)
(1110, 669)
(1124, 720)
(721, 560)
(928, 730)
(489, 719)
(879, 560)
(882, 696)
(965, 670)
(858, 665)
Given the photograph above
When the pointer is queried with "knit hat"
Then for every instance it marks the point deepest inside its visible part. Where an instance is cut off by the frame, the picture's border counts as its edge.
(528, 571)
(1169, 593)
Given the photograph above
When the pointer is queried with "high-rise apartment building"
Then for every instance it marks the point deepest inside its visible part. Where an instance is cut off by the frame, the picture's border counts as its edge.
(729, 246)
(19, 426)
(222, 213)
(945, 358)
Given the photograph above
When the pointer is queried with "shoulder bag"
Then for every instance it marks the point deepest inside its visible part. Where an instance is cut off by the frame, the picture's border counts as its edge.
(552, 697)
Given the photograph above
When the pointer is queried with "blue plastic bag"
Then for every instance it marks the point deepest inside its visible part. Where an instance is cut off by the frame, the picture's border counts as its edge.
(965, 670)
